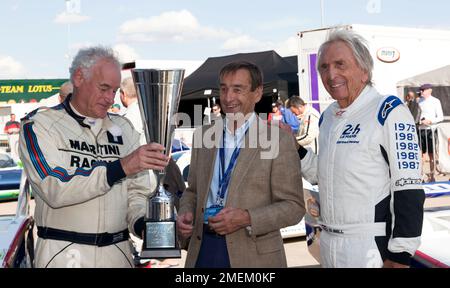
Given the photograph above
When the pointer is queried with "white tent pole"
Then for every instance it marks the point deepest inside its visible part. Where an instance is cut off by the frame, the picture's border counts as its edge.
(209, 106)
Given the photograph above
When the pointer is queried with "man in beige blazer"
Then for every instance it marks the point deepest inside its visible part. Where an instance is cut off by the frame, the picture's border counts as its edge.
(263, 193)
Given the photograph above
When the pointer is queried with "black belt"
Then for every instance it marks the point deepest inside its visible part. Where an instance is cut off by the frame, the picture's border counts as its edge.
(209, 231)
(100, 240)
(331, 230)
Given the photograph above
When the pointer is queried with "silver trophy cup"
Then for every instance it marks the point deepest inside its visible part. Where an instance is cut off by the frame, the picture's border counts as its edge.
(159, 93)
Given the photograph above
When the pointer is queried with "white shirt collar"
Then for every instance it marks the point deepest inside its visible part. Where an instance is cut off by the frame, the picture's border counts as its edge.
(241, 130)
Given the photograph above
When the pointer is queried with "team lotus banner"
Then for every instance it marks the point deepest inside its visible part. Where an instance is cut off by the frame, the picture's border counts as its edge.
(28, 91)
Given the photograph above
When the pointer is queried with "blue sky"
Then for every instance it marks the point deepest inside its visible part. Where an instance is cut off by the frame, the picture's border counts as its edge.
(38, 37)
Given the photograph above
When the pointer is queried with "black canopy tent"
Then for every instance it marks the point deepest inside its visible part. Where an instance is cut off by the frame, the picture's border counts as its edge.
(439, 78)
(279, 73)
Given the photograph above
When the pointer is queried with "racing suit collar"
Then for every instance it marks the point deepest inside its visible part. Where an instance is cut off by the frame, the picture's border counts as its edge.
(69, 109)
(359, 102)
(105, 123)
(95, 124)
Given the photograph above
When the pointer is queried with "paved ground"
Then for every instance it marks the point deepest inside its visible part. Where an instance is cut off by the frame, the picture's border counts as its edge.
(296, 253)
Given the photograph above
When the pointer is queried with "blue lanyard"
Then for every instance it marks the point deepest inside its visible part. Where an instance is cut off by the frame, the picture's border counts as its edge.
(225, 174)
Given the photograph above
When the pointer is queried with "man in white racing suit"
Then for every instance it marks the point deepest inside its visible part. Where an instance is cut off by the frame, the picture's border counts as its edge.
(368, 168)
(87, 170)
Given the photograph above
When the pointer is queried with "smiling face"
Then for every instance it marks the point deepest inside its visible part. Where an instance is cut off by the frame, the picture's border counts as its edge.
(235, 93)
(95, 94)
(341, 75)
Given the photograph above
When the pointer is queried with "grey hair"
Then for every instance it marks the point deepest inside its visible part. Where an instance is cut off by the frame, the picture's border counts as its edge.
(86, 58)
(127, 86)
(295, 101)
(356, 43)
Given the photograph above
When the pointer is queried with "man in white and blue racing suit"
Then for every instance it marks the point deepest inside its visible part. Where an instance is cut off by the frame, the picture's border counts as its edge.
(368, 168)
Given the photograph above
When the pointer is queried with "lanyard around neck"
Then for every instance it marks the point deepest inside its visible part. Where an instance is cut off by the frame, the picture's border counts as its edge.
(225, 174)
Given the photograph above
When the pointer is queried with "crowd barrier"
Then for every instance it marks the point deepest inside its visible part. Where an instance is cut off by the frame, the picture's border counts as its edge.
(4, 144)
(443, 131)
(439, 135)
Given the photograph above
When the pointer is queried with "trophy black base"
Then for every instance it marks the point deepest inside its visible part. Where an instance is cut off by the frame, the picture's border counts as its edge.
(160, 253)
(160, 240)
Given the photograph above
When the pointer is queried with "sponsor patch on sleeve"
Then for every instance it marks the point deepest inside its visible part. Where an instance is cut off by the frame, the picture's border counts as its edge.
(387, 107)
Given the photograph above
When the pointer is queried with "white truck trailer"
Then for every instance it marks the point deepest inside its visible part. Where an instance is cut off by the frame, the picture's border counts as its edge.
(398, 53)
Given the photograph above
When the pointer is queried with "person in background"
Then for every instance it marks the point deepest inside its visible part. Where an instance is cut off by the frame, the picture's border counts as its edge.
(128, 97)
(309, 117)
(65, 89)
(431, 113)
(276, 111)
(368, 168)
(237, 200)
(289, 119)
(115, 108)
(216, 112)
(411, 100)
(12, 128)
(87, 170)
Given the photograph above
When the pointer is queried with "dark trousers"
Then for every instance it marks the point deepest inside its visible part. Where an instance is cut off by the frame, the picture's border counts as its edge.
(213, 251)
(426, 140)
